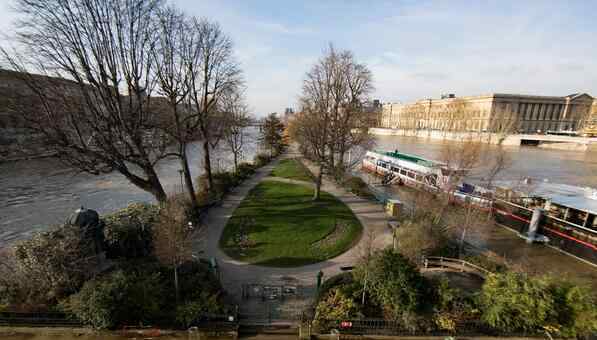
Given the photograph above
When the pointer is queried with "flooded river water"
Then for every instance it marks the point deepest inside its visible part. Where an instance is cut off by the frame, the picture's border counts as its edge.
(37, 193)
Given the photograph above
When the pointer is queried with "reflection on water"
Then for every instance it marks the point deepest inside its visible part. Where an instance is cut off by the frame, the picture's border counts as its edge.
(558, 166)
(42, 192)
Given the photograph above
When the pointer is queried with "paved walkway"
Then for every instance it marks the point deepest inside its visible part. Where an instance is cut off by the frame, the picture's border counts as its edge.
(235, 273)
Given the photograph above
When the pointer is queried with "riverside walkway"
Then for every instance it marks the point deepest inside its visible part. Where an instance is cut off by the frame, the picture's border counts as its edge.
(234, 273)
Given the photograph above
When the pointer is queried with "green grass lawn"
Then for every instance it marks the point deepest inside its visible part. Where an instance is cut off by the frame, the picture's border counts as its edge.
(282, 227)
(293, 169)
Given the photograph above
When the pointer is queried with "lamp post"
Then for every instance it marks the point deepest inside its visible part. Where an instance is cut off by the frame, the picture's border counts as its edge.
(180, 171)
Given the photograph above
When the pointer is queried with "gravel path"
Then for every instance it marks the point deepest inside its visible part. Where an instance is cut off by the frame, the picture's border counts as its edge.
(235, 273)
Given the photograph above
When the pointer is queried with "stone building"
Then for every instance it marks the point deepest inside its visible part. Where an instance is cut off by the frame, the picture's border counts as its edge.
(507, 113)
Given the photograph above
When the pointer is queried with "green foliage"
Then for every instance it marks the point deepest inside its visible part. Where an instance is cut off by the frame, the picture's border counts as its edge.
(48, 267)
(576, 309)
(119, 298)
(292, 169)
(272, 137)
(335, 306)
(395, 283)
(144, 293)
(128, 231)
(245, 170)
(357, 186)
(189, 312)
(261, 159)
(516, 302)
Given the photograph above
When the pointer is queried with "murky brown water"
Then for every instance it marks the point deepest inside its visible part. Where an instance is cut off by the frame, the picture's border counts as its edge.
(38, 193)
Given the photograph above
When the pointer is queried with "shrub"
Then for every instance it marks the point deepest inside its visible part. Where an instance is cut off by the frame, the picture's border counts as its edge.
(47, 268)
(357, 186)
(261, 159)
(245, 170)
(335, 306)
(576, 309)
(421, 237)
(119, 298)
(128, 231)
(515, 302)
(396, 284)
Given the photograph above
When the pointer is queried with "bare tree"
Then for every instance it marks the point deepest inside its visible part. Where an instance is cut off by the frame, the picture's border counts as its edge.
(102, 120)
(170, 55)
(333, 92)
(173, 237)
(213, 74)
(236, 121)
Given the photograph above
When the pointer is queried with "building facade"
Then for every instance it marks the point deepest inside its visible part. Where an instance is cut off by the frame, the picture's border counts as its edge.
(507, 113)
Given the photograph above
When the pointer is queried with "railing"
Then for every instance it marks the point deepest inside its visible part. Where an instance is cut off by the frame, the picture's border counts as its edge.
(37, 319)
(455, 264)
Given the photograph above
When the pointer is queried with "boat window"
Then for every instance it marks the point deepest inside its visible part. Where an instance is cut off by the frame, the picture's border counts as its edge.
(403, 172)
(411, 174)
(395, 169)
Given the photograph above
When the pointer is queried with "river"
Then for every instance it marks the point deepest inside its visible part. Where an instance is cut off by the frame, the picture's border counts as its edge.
(35, 194)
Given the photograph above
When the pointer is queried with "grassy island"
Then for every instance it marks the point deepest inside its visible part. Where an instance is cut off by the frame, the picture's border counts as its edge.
(278, 224)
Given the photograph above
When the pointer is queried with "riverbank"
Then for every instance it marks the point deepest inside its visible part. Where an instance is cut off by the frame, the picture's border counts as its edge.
(555, 142)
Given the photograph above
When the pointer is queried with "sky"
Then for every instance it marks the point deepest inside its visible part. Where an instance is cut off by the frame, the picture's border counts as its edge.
(415, 49)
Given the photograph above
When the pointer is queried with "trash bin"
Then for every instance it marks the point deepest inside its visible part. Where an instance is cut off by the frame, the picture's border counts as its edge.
(393, 207)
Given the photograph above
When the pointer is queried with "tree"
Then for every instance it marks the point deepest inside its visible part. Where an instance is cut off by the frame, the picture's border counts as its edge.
(213, 74)
(336, 306)
(332, 118)
(395, 283)
(170, 55)
(236, 122)
(172, 237)
(515, 302)
(272, 134)
(102, 120)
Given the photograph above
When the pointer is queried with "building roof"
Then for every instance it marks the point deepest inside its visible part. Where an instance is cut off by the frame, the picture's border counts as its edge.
(576, 197)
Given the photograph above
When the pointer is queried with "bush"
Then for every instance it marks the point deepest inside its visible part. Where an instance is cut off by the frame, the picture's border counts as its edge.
(47, 268)
(515, 302)
(357, 186)
(261, 159)
(335, 306)
(396, 284)
(422, 237)
(144, 293)
(245, 170)
(576, 309)
(119, 298)
(128, 231)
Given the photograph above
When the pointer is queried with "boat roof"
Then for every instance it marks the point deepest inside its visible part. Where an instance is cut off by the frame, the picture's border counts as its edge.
(410, 158)
(580, 198)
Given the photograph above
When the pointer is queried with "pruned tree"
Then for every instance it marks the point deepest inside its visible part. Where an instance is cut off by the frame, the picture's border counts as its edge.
(213, 74)
(102, 120)
(236, 121)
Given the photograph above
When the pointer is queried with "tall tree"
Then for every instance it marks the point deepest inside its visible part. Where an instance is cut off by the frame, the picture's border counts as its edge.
(272, 134)
(170, 55)
(236, 121)
(332, 96)
(213, 74)
(104, 121)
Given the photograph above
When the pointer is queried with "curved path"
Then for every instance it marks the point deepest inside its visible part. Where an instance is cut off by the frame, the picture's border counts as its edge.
(235, 273)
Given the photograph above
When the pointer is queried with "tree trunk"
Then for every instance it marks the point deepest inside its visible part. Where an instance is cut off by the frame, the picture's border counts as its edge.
(317, 192)
(235, 162)
(187, 177)
(155, 186)
(207, 165)
(176, 292)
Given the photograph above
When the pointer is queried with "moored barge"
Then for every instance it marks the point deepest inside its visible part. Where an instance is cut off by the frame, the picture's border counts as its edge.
(566, 215)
